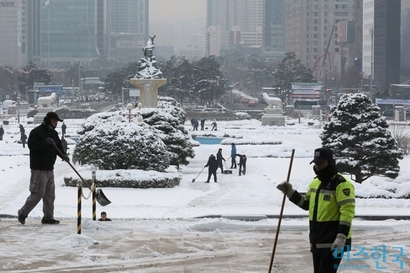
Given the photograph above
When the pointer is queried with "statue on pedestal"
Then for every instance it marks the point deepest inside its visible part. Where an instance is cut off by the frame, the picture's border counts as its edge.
(148, 67)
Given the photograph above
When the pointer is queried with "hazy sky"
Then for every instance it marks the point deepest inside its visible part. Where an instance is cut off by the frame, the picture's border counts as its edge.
(175, 10)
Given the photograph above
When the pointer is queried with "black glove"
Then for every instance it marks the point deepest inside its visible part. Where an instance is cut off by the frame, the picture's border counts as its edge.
(50, 141)
(66, 158)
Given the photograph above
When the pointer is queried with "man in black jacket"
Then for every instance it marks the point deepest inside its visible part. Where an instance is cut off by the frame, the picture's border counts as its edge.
(212, 167)
(43, 153)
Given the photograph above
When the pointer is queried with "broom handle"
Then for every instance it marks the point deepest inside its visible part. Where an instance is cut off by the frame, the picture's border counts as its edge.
(281, 213)
(62, 155)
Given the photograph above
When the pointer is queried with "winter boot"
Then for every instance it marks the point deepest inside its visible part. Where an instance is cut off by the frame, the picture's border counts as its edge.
(49, 221)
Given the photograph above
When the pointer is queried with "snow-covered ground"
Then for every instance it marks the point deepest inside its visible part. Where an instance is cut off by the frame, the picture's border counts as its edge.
(161, 230)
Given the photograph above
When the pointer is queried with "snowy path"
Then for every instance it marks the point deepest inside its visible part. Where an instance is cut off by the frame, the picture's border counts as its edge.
(170, 246)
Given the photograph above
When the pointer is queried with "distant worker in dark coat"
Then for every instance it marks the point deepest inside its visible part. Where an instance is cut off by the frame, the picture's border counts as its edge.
(63, 129)
(203, 124)
(242, 164)
(22, 130)
(23, 140)
(42, 143)
(214, 126)
(219, 159)
(233, 156)
(196, 124)
(212, 167)
(1, 132)
(64, 144)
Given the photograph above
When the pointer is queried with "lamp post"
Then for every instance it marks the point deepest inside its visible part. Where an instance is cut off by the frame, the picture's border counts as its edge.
(371, 32)
(129, 107)
(139, 115)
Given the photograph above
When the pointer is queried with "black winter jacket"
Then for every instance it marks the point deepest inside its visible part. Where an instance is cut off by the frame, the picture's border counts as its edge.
(212, 164)
(42, 155)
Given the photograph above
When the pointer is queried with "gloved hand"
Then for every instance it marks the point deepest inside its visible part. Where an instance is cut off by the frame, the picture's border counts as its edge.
(339, 242)
(50, 141)
(66, 158)
(286, 188)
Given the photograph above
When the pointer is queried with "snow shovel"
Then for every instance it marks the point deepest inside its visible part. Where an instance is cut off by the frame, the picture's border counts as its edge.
(226, 171)
(100, 196)
(193, 179)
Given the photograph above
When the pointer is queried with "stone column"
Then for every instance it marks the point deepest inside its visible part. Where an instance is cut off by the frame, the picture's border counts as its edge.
(148, 90)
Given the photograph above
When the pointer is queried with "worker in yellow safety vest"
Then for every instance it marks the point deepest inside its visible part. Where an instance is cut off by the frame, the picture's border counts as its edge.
(330, 199)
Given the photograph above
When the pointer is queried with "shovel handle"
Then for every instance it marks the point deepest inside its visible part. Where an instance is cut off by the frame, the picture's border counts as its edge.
(281, 213)
(82, 179)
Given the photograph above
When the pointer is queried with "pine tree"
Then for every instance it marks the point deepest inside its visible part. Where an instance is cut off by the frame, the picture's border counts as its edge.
(159, 141)
(359, 136)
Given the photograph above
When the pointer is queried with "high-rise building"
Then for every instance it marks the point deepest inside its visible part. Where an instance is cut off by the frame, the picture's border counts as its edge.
(405, 40)
(63, 32)
(127, 28)
(312, 33)
(218, 24)
(68, 32)
(13, 33)
(247, 17)
(387, 14)
(274, 25)
(368, 35)
(234, 19)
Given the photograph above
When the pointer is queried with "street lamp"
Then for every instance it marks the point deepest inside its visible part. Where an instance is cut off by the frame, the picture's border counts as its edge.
(139, 115)
(129, 107)
(371, 32)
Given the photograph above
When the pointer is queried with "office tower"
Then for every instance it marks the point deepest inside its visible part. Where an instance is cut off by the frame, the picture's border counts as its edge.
(64, 32)
(247, 17)
(218, 23)
(387, 14)
(274, 25)
(68, 32)
(312, 33)
(13, 33)
(368, 35)
(127, 29)
(405, 40)
(234, 23)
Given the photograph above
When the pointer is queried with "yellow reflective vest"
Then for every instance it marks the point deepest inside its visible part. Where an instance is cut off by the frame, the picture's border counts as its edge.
(331, 208)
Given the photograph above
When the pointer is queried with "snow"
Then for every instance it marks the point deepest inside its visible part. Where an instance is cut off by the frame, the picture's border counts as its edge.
(180, 229)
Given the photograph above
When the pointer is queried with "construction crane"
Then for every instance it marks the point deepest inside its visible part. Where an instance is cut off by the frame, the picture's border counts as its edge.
(317, 71)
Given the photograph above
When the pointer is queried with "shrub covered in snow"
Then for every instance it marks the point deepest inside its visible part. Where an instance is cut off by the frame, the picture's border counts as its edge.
(108, 141)
(360, 138)
(127, 179)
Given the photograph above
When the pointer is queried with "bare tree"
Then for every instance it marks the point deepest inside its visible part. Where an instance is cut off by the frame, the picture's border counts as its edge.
(401, 132)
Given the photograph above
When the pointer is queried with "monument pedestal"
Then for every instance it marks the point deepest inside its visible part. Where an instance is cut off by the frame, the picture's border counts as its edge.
(273, 117)
(148, 90)
(42, 112)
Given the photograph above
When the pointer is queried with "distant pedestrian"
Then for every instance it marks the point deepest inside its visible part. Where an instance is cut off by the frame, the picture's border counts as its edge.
(104, 217)
(203, 124)
(242, 164)
(214, 126)
(22, 130)
(219, 159)
(23, 140)
(64, 144)
(63, 129)
(233, 156)
(193, 123)
(1, 132)
(212, 165)
(196, 124)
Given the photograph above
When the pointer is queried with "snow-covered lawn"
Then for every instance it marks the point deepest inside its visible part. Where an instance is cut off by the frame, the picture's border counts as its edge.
(157, 230)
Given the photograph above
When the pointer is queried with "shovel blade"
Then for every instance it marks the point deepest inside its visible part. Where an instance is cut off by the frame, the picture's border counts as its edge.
(101, 198)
